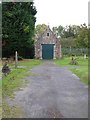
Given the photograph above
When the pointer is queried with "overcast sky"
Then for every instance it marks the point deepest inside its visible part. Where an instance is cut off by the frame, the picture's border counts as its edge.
(62, 12)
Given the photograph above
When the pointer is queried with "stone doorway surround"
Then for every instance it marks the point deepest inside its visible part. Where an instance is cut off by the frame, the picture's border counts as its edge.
(51, 39)
(41, 52)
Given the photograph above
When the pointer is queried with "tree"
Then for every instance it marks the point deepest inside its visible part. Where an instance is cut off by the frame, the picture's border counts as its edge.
(68, 42)
(60, 30)
(55, 30)
(82, 38)
(88, 38)
(18, 28)
(40, 29)
(67, 31)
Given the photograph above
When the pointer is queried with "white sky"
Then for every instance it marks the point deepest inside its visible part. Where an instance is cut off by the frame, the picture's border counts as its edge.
(62, 12)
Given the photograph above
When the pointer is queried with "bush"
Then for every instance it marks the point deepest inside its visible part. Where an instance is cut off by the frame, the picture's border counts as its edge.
(4, 58)
(73, 62)
(20, 58)
(74, 51)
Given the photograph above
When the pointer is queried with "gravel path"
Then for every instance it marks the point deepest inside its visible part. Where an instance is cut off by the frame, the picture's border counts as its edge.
(53, 92)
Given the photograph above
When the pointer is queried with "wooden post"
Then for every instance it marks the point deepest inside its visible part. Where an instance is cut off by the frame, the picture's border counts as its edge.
(16, 60)
(70, 48)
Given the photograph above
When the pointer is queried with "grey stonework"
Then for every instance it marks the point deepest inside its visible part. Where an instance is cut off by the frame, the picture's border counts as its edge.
(51, 39)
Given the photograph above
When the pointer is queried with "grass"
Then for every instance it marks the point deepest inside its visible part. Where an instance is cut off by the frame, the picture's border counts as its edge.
(14, 111)
(13, 81)
(81, 72)
(0, 72)
(16, 79)
(65, 61)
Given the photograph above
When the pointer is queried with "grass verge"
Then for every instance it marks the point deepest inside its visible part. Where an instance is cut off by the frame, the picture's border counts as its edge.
(15, 79)
(14, 111)
(66, 60)
(82, 73)
(13, 82)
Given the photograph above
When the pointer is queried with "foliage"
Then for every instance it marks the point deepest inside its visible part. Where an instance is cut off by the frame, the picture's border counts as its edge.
(18, 28)
(40, 29)
(67, 31)
(89, 38)
(82, 38)
(73, 35)
(74, 51)
(20, 58)
(68, 42)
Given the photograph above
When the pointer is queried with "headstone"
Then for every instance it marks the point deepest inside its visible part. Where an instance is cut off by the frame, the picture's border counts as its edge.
(6, 70)
(73, 61)
(84, 56)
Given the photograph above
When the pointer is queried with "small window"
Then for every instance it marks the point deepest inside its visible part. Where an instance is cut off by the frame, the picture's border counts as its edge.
(47, 34)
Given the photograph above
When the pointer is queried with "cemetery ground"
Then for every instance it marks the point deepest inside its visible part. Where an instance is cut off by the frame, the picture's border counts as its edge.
(16, 80)
(81, 69)
(13, 82)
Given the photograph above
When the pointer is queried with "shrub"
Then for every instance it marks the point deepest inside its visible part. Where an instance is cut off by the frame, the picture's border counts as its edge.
(20, 58)
(73, 62)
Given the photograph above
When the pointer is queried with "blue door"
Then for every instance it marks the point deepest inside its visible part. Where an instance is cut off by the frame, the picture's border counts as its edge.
(47, 51)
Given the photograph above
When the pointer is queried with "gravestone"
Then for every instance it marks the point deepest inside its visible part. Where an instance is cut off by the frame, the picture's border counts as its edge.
(6, 70)
(84, 56)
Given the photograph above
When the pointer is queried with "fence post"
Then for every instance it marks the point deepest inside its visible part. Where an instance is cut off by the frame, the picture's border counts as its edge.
(70, 48)
(81, 50)
(16, 59)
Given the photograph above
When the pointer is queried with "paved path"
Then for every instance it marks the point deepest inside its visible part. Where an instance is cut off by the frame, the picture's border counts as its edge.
(53, 92)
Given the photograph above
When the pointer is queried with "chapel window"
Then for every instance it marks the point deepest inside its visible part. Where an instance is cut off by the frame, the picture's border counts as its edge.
(48, 34)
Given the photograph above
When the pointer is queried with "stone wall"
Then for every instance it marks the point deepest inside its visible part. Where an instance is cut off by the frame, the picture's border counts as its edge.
(51, 39)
